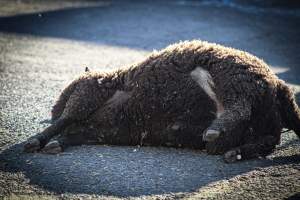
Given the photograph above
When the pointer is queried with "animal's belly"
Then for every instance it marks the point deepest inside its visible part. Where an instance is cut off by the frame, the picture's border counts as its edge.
(173, 113)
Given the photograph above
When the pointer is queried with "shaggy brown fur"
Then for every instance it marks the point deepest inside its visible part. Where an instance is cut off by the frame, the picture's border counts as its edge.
(191, 94)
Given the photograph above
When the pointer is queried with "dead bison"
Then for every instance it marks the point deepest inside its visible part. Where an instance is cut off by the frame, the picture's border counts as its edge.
(191, 94)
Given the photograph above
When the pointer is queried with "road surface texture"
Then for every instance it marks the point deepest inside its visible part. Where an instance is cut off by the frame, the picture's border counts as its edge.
(46, 44)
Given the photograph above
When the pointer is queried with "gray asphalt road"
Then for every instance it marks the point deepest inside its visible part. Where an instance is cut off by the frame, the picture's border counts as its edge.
(42, 50)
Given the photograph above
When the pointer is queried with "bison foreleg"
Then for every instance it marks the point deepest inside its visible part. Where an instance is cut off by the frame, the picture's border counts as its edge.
(234, 116)
(264, 146)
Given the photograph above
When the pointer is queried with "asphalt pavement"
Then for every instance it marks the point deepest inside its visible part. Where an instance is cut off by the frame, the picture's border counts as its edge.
(46, 44)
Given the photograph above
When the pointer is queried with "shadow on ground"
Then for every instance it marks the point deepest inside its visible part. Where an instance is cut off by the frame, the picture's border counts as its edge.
(291, 76)
(154, 25)
(113, 24)
(127, 171)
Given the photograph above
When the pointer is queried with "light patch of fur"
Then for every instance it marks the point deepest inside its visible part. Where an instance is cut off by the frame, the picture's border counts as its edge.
(118, 98)
(204, 79)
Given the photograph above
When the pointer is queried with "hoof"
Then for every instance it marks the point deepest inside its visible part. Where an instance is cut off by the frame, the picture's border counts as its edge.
(52, 147)
(32, 145)
(210, 135)
(232, 156)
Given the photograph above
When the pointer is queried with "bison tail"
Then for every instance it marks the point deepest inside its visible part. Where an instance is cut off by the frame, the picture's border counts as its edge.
(289, 110)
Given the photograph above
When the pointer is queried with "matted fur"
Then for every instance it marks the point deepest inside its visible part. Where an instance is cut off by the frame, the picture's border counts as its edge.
(192, 94)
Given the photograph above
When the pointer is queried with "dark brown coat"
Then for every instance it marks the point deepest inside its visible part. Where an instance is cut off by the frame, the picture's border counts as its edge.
(192, 94)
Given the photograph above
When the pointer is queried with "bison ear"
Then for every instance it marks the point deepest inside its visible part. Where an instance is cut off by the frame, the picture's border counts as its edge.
(87, 69)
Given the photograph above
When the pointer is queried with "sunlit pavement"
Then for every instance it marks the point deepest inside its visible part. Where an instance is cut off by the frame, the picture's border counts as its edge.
(45, 47)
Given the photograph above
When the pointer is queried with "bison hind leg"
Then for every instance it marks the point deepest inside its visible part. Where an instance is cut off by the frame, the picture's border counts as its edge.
(38, 141)
(66, 140)
(32, 145)
(60, 104)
